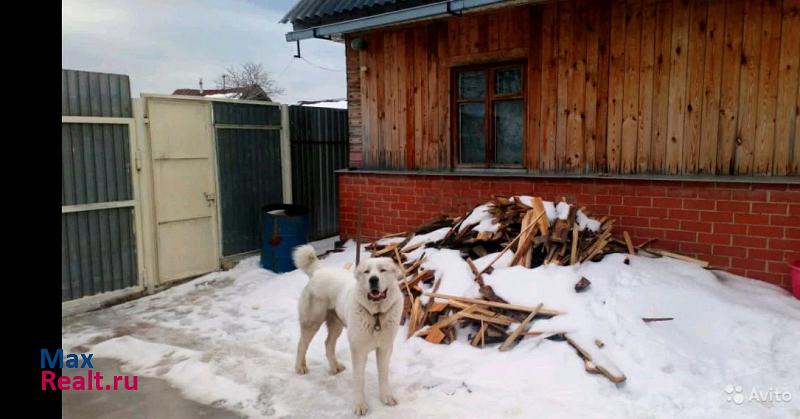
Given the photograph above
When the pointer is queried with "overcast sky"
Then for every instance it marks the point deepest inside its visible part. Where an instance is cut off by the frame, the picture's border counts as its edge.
(165, 45)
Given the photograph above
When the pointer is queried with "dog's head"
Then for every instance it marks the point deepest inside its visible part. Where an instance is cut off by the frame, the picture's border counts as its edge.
(376, 277)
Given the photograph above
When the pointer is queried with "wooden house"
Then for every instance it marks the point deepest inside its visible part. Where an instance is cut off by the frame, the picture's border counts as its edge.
(679, 118)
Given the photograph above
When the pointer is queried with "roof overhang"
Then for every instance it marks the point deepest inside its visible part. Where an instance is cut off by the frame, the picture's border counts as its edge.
(427, 11)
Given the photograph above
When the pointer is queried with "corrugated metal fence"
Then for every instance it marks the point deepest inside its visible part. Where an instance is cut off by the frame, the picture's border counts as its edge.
(98, 246)
(100, 200)
(319, 147)
(249, 170)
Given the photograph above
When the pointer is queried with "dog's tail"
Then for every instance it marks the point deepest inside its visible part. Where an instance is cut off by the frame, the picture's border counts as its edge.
(305, 259)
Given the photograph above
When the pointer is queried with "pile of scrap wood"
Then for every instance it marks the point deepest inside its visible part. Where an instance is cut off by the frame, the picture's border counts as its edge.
(522, 227)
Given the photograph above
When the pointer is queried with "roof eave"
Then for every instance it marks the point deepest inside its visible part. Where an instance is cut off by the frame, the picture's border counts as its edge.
(452, 7)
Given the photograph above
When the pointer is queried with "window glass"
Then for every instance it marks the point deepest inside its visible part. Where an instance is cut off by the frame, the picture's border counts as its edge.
(507, 81)
(508, 131)
(472, 133)
(471, 85)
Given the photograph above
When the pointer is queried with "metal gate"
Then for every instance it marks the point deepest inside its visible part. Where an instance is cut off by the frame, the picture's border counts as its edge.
(181, 152)
(99, 206)
(248, 138)
(319, 148)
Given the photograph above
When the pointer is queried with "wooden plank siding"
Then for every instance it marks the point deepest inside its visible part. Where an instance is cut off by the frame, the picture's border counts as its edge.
(673, 87)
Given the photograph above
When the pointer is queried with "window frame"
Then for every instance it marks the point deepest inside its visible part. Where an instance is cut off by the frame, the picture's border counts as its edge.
(490, 69)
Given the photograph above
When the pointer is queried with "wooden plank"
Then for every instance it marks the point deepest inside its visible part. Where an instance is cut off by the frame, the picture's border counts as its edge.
(628, 243)
(443, 99)
(565, 46)
(748, 89)
(573, 256)
(434, 335)
(447, 321)
(533, 140)
(788, 96)
(603, 51)
(729, 88)
(378, 143)
(684, 258)
(712, 76)
(479, 336)
(646, 69)
(630, 100)
(596, 357)
(549, 88)
(515, 334)
(420, 87)
(591, 28)
(415, 320)
(692, 131)
(616, 86)
(431, 131)
(500, 319)
(408, 70)
(544, 223)
(515, 307)
(576, 58)
(661, 72)
(796, 157)
(677, 86)
(503, 321)
(764, 147)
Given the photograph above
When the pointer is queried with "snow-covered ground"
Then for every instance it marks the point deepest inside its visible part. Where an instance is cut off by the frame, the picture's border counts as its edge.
(228, 339)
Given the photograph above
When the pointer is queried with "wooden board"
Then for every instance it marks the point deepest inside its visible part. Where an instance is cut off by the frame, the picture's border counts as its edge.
(692, 130)
(616, 86)
(661, 73)
(677, 86)
(646, 70)
(788, 93)
(516, 307)
(767, 102)
(731, 60)
(596, 357)
(630, 102)
(515, 334)
(635, 86)
(709, 131)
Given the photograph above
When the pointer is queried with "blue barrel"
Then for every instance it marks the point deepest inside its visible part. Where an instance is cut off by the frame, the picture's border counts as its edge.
(285, 227)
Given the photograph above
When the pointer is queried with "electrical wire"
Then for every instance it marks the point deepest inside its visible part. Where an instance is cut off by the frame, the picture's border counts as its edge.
(321, 67)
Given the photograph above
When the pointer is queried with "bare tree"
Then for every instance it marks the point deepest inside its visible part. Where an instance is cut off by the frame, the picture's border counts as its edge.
(247, 75)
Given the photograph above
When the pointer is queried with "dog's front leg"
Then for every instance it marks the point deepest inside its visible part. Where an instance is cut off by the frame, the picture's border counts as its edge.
(383, 355)
(359, 356)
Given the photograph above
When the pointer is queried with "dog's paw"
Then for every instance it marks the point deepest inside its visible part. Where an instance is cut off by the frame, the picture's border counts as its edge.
(301, 369)
(339, 368)
(388, 400)
(360, 409)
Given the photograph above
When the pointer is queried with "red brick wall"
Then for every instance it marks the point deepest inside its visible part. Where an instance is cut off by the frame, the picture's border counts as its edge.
(749, 229)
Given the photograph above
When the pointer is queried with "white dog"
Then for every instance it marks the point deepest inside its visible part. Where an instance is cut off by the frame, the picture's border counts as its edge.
(369, 305)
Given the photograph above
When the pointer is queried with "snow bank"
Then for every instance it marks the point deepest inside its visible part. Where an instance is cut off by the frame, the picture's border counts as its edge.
(229, 338)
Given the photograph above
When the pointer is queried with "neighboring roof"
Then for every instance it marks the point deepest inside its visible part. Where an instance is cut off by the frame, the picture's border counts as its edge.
(330, 103)
(308, 13)
(250, 93)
